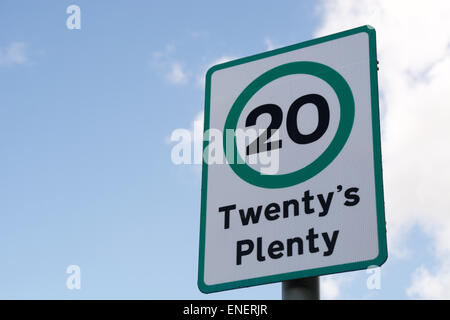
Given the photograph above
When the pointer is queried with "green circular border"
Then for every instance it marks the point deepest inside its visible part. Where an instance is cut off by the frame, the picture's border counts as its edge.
(347, 107)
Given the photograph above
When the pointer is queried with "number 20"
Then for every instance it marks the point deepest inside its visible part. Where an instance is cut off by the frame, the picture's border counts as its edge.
(276, 114)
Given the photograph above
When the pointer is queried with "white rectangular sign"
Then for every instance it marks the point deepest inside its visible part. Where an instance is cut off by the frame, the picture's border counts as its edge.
(292, 178)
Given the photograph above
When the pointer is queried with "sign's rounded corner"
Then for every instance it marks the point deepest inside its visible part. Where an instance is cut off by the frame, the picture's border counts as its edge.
(370, 30)
(210, 72)
(381, 258)
(203, 287)
(215, 68)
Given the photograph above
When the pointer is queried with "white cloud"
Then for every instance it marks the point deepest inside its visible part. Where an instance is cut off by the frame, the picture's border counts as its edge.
(413, 42)
(430, 286)
(269, 44)
(330, 286)
(177, 75)
(172, 70)
(15, 53)
(159, 57)
(222, 59)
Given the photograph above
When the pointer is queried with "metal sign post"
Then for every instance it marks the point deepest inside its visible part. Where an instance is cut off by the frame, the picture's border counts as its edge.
(301, 289)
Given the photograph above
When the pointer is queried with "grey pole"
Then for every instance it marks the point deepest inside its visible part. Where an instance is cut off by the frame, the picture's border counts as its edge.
(301, 289)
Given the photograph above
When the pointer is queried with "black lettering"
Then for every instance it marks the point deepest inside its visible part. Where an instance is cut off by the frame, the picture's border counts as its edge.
(274, 247)
(259, 255)
(330, 244)
(240, 252)
(286, 205)
(290, 244)
(311, 237)
(353, 198)
(270, 210)
(226, 210)
(307, 198)
(323, 122)
(260, 145)
(325, 203)
(250, 215)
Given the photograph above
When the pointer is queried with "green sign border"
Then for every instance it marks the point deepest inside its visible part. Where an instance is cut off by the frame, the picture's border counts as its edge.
(347, 106)
(378, 173)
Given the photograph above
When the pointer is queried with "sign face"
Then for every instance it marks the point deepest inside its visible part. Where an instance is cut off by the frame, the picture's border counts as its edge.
(292, 178)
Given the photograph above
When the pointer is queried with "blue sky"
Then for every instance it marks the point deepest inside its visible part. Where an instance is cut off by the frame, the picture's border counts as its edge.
(86, 176)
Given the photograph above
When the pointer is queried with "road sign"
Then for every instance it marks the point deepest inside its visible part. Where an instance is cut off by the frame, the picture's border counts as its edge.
(299, 192)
